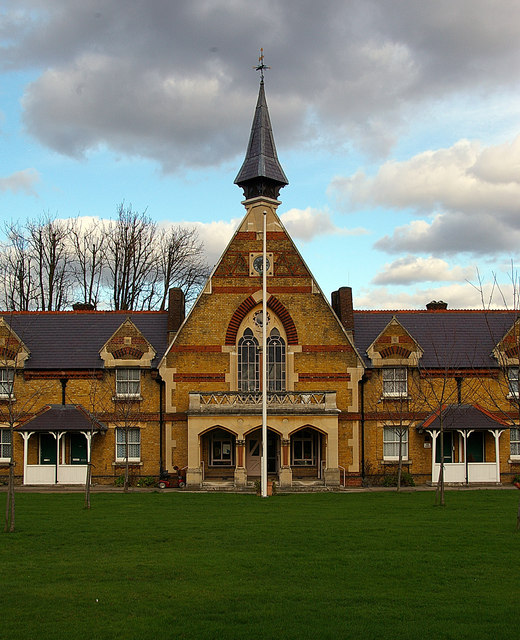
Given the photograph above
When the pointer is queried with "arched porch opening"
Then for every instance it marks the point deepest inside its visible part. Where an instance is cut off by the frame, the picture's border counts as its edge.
(218, 453)
(253, 457)
(307, 452)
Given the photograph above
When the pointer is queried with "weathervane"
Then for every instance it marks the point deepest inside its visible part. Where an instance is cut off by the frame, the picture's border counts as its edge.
(261, 66)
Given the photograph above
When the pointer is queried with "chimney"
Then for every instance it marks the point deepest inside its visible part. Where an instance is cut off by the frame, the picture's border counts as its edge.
(83, 306)
(176, 311)
(342, 305)
(437, 305)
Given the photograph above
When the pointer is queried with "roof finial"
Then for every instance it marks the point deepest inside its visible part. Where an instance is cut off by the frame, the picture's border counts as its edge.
(261, 66)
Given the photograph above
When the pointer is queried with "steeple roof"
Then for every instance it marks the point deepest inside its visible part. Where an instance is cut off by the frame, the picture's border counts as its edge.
(261, 172)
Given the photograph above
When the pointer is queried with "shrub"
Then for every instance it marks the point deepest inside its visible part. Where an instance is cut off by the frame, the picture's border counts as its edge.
(146, 481)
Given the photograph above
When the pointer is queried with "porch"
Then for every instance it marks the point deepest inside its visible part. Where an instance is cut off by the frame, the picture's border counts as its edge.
(466, 439)
(58, 444)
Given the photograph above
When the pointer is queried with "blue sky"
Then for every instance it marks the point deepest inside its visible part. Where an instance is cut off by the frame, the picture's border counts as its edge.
(396, 123)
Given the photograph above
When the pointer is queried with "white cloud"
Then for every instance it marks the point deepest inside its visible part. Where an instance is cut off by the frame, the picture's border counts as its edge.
(307, 224)
(21, 182)
(471, 194)
(411, 269)
(458, 296)
(168, 81)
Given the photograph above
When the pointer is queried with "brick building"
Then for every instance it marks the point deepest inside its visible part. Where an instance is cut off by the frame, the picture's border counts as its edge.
(347, 389)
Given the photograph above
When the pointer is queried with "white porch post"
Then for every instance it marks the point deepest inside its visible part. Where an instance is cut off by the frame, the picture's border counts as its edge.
(88, 436)
(497, 433)
(433, 435)
(465, 435)
(25, 435)
(58, 439)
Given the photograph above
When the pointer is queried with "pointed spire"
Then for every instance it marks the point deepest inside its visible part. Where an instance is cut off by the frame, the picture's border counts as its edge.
(261, 173)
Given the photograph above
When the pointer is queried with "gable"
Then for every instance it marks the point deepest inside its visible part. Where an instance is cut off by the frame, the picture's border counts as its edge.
(507, 351)
(13, 352)
(127, 347)
(394, 346)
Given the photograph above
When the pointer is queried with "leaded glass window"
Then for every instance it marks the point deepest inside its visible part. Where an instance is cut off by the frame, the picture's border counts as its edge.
(275, 362)
(134, 443)
(248, 362)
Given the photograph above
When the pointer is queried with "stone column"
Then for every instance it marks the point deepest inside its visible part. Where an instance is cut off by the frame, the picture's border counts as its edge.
(240, 469)
(285, 473)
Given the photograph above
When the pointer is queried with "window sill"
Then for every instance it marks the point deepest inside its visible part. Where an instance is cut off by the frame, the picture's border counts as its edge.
(396, 461)
(131, 463)
(7, 398)
(138, 398)
(402, 397)
(514, 460)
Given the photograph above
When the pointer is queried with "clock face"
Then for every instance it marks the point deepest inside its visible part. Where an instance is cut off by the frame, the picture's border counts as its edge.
(258, 263)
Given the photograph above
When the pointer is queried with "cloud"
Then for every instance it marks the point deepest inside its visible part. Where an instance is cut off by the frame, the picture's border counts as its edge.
(412, 269)
(307, 224)
(215, 236)
(458, 296)
(170, 82)
(21, 182)
(469, 193)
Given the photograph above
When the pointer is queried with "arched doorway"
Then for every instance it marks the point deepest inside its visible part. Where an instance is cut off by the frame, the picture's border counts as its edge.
(254, 452)
(307, 453)
(218, 447)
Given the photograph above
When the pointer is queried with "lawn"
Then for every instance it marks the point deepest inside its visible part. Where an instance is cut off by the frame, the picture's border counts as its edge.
(176, 565)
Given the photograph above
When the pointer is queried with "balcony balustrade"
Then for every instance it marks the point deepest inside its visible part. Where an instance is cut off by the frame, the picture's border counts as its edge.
(220, 402)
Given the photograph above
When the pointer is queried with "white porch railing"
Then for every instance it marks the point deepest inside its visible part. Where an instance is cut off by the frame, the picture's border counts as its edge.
(477, 472)
(46, 474)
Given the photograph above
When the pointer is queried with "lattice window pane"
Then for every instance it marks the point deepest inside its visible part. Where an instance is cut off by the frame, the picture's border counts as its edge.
(6, 382)
(248, 362)
(128, 382)
(395, 381)
(391, 443)
(5, 443)
(275, 362)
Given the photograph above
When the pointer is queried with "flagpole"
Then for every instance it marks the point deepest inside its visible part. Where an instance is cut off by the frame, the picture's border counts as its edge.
(264, 361)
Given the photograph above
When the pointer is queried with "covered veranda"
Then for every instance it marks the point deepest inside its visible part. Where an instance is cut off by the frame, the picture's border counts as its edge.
(470, 447)
(58, 444)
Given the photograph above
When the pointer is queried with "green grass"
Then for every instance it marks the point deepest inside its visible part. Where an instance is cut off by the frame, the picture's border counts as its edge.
(182, 565)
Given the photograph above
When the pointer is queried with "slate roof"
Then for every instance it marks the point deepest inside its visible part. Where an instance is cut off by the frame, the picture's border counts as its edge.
(73, 339)
(62, 417)
(450, 338)
(261, 159)
(462, 416)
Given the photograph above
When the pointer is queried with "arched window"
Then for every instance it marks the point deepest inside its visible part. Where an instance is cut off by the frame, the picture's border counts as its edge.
(275, 361)
(248, 362)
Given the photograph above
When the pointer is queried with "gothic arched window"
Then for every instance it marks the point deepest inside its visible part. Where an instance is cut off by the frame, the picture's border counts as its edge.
(275, 361)
(248, 362)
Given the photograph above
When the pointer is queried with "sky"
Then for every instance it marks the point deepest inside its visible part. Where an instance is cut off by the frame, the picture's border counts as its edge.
(396, 123)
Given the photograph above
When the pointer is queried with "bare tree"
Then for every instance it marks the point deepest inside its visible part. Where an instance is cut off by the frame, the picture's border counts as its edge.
(126, 264)
(179, 263)
(130, 248)
(19, 402)
(48, 239)
(16, 269)
(88, 260)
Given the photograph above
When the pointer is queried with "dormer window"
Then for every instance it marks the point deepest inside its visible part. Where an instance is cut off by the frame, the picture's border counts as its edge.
(395, 382)
(128, 383)
(512, 379)
(6, 383)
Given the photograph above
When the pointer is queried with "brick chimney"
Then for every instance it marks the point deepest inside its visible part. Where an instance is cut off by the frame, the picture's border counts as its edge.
(83, 306)
(176, 311)
(343, 307)
(437, 305)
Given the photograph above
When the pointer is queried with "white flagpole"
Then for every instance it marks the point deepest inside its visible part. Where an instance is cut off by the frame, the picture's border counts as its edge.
(264, 361)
